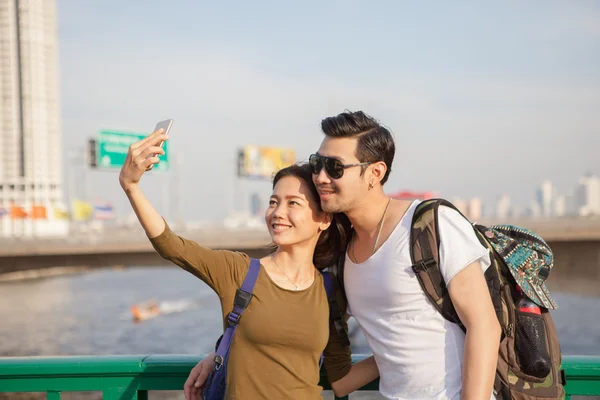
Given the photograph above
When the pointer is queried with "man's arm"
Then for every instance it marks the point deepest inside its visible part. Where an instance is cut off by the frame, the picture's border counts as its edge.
(194, 385)
(471, 298)
(360, 374)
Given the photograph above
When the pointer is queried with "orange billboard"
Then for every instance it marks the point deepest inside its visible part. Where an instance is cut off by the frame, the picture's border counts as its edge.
(263, 162)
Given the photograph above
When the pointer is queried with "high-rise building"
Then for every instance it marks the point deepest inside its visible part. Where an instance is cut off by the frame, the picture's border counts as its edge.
(475, 209)
(257, 205)
(545, 197)
(588, 195)
(560, 206)
(504, 207)
(534, 210)
(462, 205)
(30, 151)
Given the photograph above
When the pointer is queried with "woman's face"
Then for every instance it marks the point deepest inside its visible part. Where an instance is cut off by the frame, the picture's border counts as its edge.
(293, 215)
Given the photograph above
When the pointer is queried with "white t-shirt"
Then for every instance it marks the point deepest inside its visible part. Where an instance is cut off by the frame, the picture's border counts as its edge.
(418, 352)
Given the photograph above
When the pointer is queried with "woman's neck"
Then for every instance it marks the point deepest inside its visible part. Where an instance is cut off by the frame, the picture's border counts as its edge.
(295, 261)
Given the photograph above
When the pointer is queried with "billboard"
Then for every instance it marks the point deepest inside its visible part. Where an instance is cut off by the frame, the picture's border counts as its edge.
(112, 147)
(263, 162)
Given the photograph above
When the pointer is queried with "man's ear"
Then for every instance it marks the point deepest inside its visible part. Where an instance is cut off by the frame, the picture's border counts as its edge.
(377, 172)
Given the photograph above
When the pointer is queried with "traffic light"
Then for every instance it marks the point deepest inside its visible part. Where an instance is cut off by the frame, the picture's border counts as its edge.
(91, 153)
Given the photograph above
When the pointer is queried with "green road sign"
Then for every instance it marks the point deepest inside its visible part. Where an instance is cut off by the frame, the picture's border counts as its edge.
(112, 147)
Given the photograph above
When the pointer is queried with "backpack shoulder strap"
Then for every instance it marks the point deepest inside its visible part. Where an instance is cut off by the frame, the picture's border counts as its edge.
(339, 272)
(336, 319)
(244, 294)
(242, 298)
(424, 253)
(328, 283)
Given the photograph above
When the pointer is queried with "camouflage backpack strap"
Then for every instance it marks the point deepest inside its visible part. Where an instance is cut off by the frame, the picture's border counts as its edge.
(424, 254)
(336, 317)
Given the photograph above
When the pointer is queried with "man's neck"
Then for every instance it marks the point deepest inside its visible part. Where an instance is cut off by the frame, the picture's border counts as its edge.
(366, 216)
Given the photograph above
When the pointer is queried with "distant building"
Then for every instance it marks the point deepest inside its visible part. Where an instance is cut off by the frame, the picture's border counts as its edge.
(408, 195)
(587, 196)
(472, 208)
(256, 204)
(475, 209)
(545, 198)
(560, 206)
(534, 210)
(462, 205)
(30, 138)
(503, 207)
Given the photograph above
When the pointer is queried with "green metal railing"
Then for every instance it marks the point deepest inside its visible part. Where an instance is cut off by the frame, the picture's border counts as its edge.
(131, 377)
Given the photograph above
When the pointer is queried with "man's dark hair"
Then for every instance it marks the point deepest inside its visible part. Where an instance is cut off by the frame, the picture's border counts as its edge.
(375, 142)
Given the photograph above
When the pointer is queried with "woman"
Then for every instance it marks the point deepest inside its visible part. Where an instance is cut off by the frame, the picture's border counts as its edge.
(277, 346)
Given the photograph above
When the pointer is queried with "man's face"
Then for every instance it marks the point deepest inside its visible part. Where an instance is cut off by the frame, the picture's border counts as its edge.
(342, 194)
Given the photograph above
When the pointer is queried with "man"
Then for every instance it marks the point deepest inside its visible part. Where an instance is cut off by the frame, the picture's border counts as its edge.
(420, 355)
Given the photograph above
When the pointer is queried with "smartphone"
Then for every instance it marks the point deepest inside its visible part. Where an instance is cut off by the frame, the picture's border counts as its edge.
(166, 126)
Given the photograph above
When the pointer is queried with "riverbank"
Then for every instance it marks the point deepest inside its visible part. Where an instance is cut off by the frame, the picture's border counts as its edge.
(41, 273)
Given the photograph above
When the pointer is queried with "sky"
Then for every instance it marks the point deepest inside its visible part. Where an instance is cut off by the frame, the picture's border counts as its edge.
(482, 99)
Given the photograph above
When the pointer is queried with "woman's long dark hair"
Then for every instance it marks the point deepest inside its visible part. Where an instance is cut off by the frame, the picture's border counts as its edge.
(332, 242)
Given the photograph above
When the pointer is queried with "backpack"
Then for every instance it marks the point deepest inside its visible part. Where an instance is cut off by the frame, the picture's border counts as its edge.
(520, 263)
(216, 382)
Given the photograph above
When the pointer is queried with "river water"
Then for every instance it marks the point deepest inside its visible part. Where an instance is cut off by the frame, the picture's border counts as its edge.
(89, 314)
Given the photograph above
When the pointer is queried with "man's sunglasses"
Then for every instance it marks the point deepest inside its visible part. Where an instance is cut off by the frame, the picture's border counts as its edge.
(333, 166)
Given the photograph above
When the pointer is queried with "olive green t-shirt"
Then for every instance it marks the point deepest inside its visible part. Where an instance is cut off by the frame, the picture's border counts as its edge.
(277, 346)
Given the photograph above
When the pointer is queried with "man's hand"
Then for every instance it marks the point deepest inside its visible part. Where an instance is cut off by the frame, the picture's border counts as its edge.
(195, 382)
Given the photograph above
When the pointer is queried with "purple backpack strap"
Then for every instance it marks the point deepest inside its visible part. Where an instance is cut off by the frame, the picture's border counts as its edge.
(328, 283)
(240, 302)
